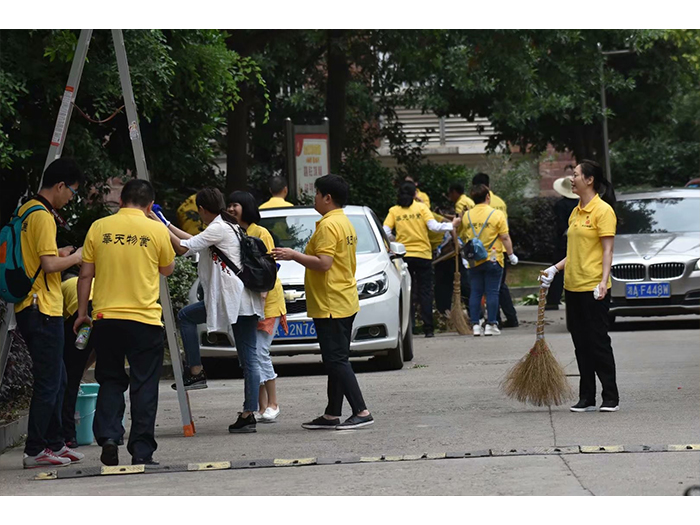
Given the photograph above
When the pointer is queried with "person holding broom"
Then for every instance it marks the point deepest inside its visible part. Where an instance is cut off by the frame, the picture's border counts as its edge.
(587, 281)
(411, 220)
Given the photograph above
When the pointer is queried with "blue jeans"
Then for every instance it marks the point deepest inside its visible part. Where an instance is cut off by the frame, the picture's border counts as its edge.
(484, 279)
(189, 317)
(44, 338)
(245, 332)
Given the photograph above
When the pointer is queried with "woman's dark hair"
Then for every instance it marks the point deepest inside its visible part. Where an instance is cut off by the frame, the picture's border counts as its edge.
(407, 192)
(478, 193)
(601, 185)
(212, 200)
(250, 213)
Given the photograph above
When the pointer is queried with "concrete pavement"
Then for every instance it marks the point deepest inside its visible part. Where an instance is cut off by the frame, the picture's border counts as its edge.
(446, 400)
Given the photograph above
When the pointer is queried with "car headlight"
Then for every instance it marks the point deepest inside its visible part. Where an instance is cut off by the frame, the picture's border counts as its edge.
(372, 286)
(697, 266)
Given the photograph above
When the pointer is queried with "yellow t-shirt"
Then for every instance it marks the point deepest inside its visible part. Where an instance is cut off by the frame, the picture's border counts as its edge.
(39, 238)
(127, 249)
(495, 227)
(188, 217)
(274, 304)
(69, 287)
(411, 228)
(424, 197)
(462, 204)
(436, 238)
(275, 202)
(333, 293)
(499, 204)
(584, 250)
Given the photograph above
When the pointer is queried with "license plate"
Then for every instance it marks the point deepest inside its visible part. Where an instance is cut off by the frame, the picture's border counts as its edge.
(297, 330)
(647, 290)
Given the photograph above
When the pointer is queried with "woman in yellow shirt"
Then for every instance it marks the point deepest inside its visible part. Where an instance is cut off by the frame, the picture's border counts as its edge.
(412, 220)
(242, 206)
(587, 281)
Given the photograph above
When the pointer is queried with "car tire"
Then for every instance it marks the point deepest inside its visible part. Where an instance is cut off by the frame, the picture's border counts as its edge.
(394, 359)
(408, 346)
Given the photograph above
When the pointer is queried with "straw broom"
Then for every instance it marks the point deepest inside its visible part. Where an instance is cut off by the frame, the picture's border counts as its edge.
(538, 378)
(457, 317)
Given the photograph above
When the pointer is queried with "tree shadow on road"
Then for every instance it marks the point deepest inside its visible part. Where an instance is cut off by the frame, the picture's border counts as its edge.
(648, 325)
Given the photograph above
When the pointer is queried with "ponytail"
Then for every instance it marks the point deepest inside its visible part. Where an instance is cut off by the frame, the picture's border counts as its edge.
(602, 186)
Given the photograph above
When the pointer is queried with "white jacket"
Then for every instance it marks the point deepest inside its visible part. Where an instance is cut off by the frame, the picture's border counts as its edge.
(225, 297)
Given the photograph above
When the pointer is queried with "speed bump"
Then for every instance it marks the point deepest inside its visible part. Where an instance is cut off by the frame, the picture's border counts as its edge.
(220, 465)
(679, 448)
(122, 469)
(602, 449)
(472, 454)
(294, 462)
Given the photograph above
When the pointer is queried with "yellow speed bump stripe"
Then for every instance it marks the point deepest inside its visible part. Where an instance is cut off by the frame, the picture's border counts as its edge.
(123, 469)
(678, 448)
(51, 474)
(294, 462)
(602, 449)
(216, 465)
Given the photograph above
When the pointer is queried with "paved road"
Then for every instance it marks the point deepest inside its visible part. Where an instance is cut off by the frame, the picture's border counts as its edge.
(447, 400)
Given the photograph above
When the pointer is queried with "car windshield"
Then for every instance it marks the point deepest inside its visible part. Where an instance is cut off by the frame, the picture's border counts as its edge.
(659, 215)
(294, 231)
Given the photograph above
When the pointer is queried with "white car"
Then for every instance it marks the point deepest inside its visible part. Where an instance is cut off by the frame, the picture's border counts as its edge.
(382, 327)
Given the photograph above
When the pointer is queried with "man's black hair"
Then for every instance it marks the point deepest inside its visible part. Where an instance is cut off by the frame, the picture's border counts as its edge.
(456, 186)
(276, 184)
(138, 192)
(481, 178)
(63, 170)
(335, 186)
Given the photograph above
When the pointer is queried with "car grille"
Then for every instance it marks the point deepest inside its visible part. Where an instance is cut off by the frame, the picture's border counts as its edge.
(666, 270)
(298, 306)
(629, 272)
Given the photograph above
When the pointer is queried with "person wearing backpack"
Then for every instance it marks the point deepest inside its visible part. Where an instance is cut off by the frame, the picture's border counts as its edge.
(486, 236)
(241, 205)
(36, 284)
(228, 305)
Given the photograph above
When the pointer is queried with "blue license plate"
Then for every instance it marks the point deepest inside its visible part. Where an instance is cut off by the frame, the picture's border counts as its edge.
(297, 330)
(647, 290)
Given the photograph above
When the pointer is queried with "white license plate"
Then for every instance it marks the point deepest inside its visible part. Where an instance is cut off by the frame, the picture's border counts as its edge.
(297, 330)
(647, 290)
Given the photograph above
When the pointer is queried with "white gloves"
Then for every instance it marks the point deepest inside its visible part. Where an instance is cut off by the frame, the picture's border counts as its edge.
(513, 259)
(548, 276)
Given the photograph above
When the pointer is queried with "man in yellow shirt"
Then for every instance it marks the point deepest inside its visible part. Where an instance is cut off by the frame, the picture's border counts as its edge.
(279, 190)
(456, 195)
(188, 217)
(126, 253)
(40, 315)
(332, 300)
(505, 301)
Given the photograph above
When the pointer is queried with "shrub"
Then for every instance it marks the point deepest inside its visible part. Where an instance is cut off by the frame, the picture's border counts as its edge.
(371, 184)
(180, 282)
(16, 389)
(531, 224)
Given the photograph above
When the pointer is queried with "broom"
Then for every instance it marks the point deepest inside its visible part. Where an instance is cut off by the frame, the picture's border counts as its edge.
(457, 317)
(538, 378)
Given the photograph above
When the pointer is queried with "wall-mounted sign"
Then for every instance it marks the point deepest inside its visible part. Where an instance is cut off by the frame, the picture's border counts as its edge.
(308, 158)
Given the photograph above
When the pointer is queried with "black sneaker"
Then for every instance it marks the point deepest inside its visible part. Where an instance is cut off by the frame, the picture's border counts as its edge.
(510, 323)
(196, 382)
(243, 425)
(429, 334)
(610, 406)
(355, 422)
(551, 307)
(583, 406)
(321, 423)
(140, 461)
(110, 453)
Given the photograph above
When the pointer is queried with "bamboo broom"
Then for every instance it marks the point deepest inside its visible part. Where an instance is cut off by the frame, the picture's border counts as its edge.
(538, 378)
(457, 317)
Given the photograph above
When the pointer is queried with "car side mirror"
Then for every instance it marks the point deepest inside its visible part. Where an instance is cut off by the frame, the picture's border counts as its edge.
(397, 250)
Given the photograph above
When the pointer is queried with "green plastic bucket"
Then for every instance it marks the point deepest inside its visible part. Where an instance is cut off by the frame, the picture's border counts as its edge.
(85, 413)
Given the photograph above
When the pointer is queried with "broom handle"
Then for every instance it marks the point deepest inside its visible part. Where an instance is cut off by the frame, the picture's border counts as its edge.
(540, 311)
(454, 240)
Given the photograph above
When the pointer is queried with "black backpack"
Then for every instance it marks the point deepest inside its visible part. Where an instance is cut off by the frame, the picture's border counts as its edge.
(259, 269)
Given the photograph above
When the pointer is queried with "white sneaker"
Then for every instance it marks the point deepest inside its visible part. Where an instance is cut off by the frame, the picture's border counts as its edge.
(45, 458)
(69, 453)
(257, 415)
(270, 414)
(477, 330)
(492, 329)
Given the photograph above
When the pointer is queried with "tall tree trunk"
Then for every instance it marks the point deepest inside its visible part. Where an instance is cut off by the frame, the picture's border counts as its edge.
(338, 76)
(237, 143)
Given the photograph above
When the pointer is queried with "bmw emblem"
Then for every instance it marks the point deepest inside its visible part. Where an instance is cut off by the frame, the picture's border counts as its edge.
(646, 257)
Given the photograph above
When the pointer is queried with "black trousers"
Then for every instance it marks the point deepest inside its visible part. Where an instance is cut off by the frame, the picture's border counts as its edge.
(505, 301)
(421, 271)
(587, 319)
(142, 345)
(74, 360)
(556, 289)
(444, 275)
(334, 339)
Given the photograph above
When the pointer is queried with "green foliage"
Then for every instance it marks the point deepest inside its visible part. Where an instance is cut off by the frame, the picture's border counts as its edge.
(531, 227)
(435, 179)
(180, 282)
(371, 184)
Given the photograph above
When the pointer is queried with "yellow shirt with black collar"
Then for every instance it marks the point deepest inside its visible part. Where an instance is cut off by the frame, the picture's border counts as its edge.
(127, 250)
(333, 293)
(584, 249)
(274, 304)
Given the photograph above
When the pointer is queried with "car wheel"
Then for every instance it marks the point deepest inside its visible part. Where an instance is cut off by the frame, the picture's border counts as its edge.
(408, 346)
(394, 360)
